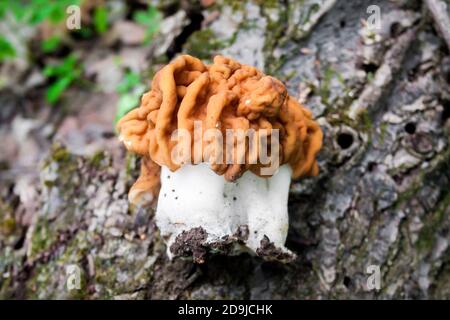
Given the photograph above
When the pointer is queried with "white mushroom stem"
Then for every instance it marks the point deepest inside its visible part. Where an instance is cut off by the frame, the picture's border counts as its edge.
(195, 196)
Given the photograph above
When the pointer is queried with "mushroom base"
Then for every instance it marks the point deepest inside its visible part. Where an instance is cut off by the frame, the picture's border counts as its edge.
(200, 212)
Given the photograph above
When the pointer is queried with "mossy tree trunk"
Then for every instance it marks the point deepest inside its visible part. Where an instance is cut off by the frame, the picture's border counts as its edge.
(381, 201)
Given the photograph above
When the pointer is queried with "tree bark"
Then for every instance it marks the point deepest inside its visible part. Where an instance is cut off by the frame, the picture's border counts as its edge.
(380, 203)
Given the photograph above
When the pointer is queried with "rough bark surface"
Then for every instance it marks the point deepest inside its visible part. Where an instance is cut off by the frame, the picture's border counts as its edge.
(382, 198)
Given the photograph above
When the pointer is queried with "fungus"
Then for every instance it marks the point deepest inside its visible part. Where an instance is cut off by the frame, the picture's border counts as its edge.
(208, 194)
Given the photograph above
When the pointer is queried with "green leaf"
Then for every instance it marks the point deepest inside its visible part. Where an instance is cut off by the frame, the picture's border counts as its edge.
(17, 9)
(64, 74)
(6, 49)
(56, 89)
(100, 19)
(127, 102)
(130, 80)
(3, 8)
(151, 19)
(37, 11)
(57, 13)
(50, 44)
(68, 66)
(39, 14)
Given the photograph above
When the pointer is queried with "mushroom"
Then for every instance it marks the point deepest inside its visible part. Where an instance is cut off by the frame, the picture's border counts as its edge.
(208, 197)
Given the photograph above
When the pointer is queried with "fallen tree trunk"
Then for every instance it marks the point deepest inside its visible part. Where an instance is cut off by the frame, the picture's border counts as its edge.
(373, 224)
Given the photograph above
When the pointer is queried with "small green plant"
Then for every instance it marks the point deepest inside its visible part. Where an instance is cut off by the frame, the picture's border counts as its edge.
(100, 19)
(50, 44)
(130, 90)
(6, 49)
(151, 19)
(63, 75)
(36, 11)
(33, 13)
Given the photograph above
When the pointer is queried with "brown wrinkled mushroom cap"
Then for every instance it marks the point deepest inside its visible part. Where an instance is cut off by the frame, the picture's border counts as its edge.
(224, 95)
